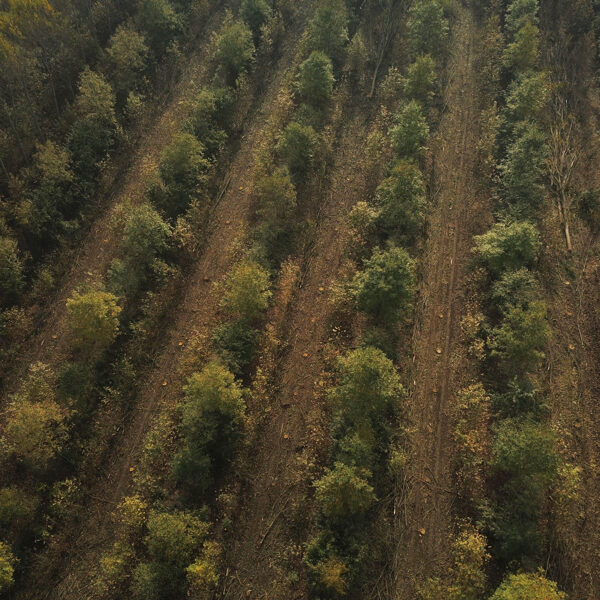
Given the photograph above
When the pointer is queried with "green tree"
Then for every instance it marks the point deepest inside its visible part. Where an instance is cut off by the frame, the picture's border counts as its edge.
(384, 288)
(527, 97)
(315, 80)
(127, 55)
(344, 492)
(523, 169)
(411, 131)
(212, 417)
(160, 23)
(329, 30)
(17, 514)
(275, 197)
(93, 320)
(514, 288)
(421, 79)
(368, 386)
(255, 13)
(526, 460)
(235, 343)
(508, 246)
(519, 13)
(183, 170)
(7, 567)
(428, 28)
(528, 586)
(11, 271)
(400, 200)
(520, 338)
(246, 292)
(297, 148)
(522, 53)
(235, 50)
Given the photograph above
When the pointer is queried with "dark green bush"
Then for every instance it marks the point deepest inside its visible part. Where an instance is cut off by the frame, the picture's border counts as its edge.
(421, 79)
(212, 418)
(315, 80)
(400, 200)
(159, 21)
(514, 288)
(235, 343)
(411, 131)
(255, 13)
(428, 28)
(235, 50)
(18, 511)
(384, 288)
(297, 148)
(329, 30)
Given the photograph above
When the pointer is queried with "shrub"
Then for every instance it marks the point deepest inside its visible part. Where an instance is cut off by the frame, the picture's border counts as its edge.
(246, 292)
(401, 200)
(7, 567)
(411, 131)
(507, 246)
(368, 386)
(93, 320)
(235, 50)
(11, 271)
(528, 586)
(315, 80)
(235, 343)
(34, 431)
(428, 28)
(526, 461)
(212, 417)
(344, 492)
(183, 170)
(329, 30)
(421, 79)
(519, 13)
(520, 338)
(275, 197)
(519, 399)
(211, 118)
(203, 573)
(255, 13)
(297, 147)
(384, 288)
(527, 97)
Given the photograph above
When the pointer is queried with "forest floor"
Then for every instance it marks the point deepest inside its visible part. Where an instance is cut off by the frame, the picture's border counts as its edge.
(195, 314)
(440, 367)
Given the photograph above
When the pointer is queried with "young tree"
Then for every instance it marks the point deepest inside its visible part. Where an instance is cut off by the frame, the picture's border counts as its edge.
(508, 246)
(7, 567)
(528, 586)
(315, 80)
(255, 13)
(159, 22)
(212, 417)
(514, 288)
(344, 492)
(246, 292)
(421, 79)
(297, 148)
(428, 28)
(35, 427)
(400, 200)
(368, 386)
(519, 340)
(519, 13)
(411, 131)
(522, 53)
(235, 50)
(384, 288)
(127, 55)
(329, 30)
(93, 320)
(183, 170)
(17, 514)
(527, 97)
(11, 271)
(275, 197)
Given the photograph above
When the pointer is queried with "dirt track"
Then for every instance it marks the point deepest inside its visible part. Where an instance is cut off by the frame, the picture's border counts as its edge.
(196, 312)
(424, 508)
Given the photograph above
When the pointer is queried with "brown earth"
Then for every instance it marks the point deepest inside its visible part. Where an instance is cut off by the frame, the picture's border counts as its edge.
(423, 506)
(195, 314)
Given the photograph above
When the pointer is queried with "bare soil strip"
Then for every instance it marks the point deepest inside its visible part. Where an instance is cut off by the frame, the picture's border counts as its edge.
(424, 508)
(195, 314)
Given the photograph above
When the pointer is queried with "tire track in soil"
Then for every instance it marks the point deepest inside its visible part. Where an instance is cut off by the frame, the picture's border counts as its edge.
(424, 511)
(196, 314)
(276, 481)
(51, 343)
